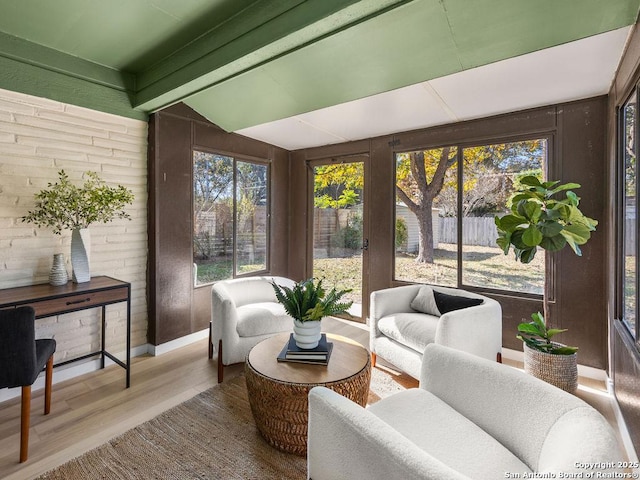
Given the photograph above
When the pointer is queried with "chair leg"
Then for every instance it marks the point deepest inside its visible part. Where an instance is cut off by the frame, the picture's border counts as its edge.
(24, 423)
(210, 341)
(220, 366)
(47, 385)
(374, 357)
(499, 357)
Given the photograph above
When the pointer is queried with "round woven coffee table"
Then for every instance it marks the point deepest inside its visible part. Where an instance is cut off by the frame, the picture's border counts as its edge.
(278, 390)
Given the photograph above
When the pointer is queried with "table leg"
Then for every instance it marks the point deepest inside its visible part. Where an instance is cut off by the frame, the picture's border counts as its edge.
(129, 338)
(104, 329)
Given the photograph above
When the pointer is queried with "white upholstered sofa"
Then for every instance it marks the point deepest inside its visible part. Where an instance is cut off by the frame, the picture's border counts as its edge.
(404, 320)
(470, 419)
(244, 311)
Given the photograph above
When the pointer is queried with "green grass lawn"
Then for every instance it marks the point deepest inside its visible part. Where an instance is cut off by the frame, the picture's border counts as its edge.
(221, 268)
(483, 267)
(630, 280)
(342, 273)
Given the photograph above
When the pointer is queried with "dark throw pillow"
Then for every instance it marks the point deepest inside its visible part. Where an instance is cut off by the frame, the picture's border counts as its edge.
(448, 303)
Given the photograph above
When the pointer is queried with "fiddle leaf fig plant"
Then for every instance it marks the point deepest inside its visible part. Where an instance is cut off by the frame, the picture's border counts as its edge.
(308, 300)
(539, 219)
(536, 335)
(64, 205)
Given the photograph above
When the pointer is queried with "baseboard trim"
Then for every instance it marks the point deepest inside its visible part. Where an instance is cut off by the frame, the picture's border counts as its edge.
(156, 350)
(629, 448)
(72, 370)
(583, 370)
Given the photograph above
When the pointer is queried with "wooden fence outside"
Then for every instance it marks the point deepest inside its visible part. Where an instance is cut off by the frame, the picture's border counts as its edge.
(475, 231)
(479, 231)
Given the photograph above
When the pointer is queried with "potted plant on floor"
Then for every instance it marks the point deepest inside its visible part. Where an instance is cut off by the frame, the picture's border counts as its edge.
(307, 303)
(538, 219)
(550, 361)
(65, 206)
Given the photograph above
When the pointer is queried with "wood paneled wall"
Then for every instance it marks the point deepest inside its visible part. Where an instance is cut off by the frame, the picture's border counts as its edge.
(176, 307)
(624, 353)
(577, 288)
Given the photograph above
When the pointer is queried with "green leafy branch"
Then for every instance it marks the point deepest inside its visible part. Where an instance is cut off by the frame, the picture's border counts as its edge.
(539, 220)
(308, 301)
(64, 205)
(538, 337)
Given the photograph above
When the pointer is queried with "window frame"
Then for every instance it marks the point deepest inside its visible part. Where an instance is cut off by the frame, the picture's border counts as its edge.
(395, 154)
(235, 159)
(620, 216)
(549, 136)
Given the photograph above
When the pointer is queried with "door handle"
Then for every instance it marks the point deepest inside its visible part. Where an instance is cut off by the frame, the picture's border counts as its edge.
(365, 244)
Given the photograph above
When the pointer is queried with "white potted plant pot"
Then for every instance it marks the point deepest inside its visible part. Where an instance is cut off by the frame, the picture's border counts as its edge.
(307, 334)
(307, 300)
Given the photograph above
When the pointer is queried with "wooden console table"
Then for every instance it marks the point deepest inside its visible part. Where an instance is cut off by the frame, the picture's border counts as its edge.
(49, 301)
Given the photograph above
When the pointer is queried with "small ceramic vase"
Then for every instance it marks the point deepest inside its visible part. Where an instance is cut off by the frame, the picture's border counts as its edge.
(58, 274)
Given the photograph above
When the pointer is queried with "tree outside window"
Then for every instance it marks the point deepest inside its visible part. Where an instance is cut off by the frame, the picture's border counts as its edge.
(230, 217)
(430, 192)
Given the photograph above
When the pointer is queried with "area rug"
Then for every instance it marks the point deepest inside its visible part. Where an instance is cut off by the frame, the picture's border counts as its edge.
(211, 436)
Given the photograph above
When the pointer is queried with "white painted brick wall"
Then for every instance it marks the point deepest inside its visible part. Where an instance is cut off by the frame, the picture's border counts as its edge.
(38, 137)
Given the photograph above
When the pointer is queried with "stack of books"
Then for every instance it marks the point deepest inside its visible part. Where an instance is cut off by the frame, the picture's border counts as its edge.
(318, 355)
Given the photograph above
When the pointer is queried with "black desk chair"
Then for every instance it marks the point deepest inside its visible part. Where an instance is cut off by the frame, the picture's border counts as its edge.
(22, 358)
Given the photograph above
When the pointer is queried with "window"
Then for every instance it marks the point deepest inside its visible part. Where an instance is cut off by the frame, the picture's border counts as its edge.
(446, 202)
(488, 178)
(230, 211)
(426, 216)
(629, 215)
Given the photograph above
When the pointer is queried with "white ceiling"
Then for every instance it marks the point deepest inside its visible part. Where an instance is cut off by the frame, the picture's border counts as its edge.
(575, 70)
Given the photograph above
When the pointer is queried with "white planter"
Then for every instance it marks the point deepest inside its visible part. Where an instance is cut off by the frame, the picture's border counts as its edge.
(307, 334)
(80, 255)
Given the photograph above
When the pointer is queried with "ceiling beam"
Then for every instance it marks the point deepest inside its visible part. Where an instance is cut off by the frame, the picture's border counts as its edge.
(47, 58)
(416, 42)
(265, 31)
(33, 69)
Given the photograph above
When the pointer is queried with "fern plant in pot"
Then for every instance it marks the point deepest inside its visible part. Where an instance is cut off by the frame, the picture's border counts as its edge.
(308, 303)
(539, 219)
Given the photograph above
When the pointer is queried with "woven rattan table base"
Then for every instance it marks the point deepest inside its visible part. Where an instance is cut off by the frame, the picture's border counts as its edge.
(281, 410)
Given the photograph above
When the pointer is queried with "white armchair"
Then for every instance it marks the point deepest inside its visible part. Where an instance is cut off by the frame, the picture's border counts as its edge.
(470, 419)
(399, 332)
(244, 311)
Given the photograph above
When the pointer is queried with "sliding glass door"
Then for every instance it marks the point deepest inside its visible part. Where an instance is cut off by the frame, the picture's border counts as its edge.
(339, 230)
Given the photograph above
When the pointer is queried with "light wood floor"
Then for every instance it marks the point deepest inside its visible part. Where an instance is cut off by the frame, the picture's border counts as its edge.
(89, 410)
